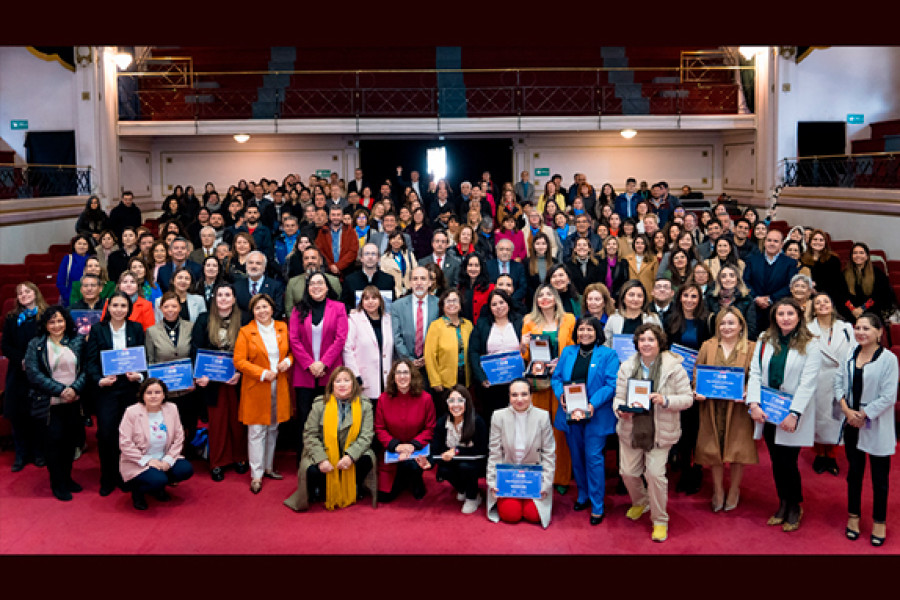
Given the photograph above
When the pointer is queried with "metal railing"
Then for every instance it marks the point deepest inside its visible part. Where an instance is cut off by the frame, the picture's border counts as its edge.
(402, 101)
(872, 170)
(43, 181)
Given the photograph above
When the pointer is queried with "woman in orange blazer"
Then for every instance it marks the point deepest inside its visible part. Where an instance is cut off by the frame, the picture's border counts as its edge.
(550, 320)
(262, 355)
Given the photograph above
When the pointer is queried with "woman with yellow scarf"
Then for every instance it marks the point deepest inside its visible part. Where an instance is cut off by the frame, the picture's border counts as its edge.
(337, 461)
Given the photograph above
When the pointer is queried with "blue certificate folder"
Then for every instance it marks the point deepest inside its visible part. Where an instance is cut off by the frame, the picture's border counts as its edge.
(623, 344)
(392, 457)
(519, 481)
(775, 403)
(177, 375)
(723, 383)
(503, 367)
(127, 360)
(689, 356)
(218, 366)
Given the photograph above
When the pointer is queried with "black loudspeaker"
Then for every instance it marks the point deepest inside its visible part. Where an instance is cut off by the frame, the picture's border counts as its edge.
(821, 138)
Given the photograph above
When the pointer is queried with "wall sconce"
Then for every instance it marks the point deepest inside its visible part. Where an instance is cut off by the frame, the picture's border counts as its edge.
(751, 52)
(241, 138)
(123, 60)
(84, 55)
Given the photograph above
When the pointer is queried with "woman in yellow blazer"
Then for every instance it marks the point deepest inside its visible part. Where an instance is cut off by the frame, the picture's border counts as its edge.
(550, 320)
(447, 349)
(642, 265)
(262, 355)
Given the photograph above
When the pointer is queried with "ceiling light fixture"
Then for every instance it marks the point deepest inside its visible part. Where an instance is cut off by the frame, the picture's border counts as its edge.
(241, 138)
(628, 133)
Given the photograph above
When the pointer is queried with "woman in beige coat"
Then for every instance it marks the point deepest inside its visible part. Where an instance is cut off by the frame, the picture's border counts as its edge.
(646, 438)
(726, 429)
(521, 434)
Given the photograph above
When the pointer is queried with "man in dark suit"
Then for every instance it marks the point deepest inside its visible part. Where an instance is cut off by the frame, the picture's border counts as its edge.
(370, 274)
(357, 183)
(408, 325)
(448, 263)
(257, 282)
(441, 204)
(582, 230)
(388, 226)
(768, 275)
(179, 253)
(741, 239)
(661, 299)
(504, 264)
(124, 214)
(261, 234)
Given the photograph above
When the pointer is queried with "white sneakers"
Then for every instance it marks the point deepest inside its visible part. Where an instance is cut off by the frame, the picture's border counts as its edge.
(470, 506)
(461, 496)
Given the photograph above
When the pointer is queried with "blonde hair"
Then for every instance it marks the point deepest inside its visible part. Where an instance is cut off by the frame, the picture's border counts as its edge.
(743, 341)
(537, 315)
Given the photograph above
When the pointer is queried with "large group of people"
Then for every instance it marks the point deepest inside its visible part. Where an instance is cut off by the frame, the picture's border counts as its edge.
(358, 319)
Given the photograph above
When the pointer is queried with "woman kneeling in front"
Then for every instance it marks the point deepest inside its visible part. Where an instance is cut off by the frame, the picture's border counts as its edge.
(337, 461)
(646, 437)
(521, 434)
(151, 438)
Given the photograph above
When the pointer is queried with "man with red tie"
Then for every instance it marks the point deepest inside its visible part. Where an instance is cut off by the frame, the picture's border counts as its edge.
(411, 316)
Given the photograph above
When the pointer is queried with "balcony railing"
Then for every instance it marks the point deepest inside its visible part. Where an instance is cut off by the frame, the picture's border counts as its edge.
(43, 181)
(876, 170)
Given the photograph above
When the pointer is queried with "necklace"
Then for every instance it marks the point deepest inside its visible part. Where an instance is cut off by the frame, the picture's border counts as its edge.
(584, 354)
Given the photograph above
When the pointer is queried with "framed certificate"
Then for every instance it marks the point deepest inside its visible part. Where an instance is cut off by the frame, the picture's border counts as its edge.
(576, 398)
(85, 319)
(218, 366)
(392, 457)
(637, 398)
(127, 360)
(689, 357)
(177, 375)
(540, 349)
(519, 481)
(723, 383)
(623, 344)
(503, 367)
(775, 403)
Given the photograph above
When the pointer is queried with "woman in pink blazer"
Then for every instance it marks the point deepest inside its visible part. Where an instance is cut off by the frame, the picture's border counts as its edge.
(318, 333)
(150, 440)
(369, 335)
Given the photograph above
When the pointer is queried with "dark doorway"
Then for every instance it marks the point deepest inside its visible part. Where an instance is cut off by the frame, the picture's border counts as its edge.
(466, 159)
(54, 152)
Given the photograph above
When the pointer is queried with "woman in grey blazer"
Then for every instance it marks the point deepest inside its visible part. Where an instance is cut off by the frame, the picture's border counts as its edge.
(866, 386)
(786, 359)
(168, 340)
(521, 434)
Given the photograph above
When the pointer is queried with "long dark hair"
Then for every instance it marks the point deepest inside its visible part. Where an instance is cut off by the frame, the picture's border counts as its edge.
(481, 282)
(468, 427)
(119, 294)
(304, 307)
(51, 312)
(677, 320)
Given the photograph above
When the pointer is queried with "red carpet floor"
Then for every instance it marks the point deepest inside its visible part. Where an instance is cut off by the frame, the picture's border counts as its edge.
(211, 518)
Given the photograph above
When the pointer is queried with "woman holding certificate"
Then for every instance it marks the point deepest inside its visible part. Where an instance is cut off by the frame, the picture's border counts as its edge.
(459, 448)
(783, 375)
(262, 355)
(55, 368)
(338, 461)
(836, 342)
(404, 425)
(521, 434)
(497, 332)
(652, 388)
(116, 331)
(866, 384)
(170, 340)
(585, 382)
(217, 331)
(726, 430)
(446, 349)
(551, 328)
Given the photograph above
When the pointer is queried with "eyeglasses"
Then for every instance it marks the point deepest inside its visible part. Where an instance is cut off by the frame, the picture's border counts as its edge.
(456, 400)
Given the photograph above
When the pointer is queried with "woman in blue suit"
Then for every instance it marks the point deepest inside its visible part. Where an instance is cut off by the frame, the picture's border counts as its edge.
(591, 363)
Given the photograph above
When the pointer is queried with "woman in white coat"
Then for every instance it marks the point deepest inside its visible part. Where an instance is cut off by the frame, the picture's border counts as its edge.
(521, 434)
(835, 342)
(866, 385)
(369, 336)
(786, 359)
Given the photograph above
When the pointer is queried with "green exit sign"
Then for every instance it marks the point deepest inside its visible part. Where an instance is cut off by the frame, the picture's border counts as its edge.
(18, 124)
(542, 172)
(323, 172)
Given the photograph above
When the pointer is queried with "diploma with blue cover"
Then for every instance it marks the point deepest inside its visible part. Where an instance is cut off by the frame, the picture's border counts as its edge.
(519, 481)
(392, 457)
(218, 366)
(623, 344)
(689, 358)
(127, 360)
(178, 375)
(722, 383)
(775, 403)
(503, 367)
